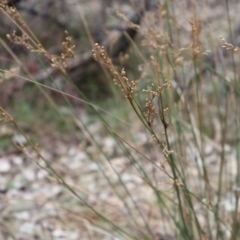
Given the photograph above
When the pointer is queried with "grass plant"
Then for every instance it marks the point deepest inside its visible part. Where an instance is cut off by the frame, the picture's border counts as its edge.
(187, 109)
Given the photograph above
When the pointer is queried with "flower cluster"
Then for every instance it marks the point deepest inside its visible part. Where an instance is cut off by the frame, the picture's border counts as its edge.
(127, 87)
(28, 40)
(12, 13)
(59, 62)
(150, 114)
(228, 46)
